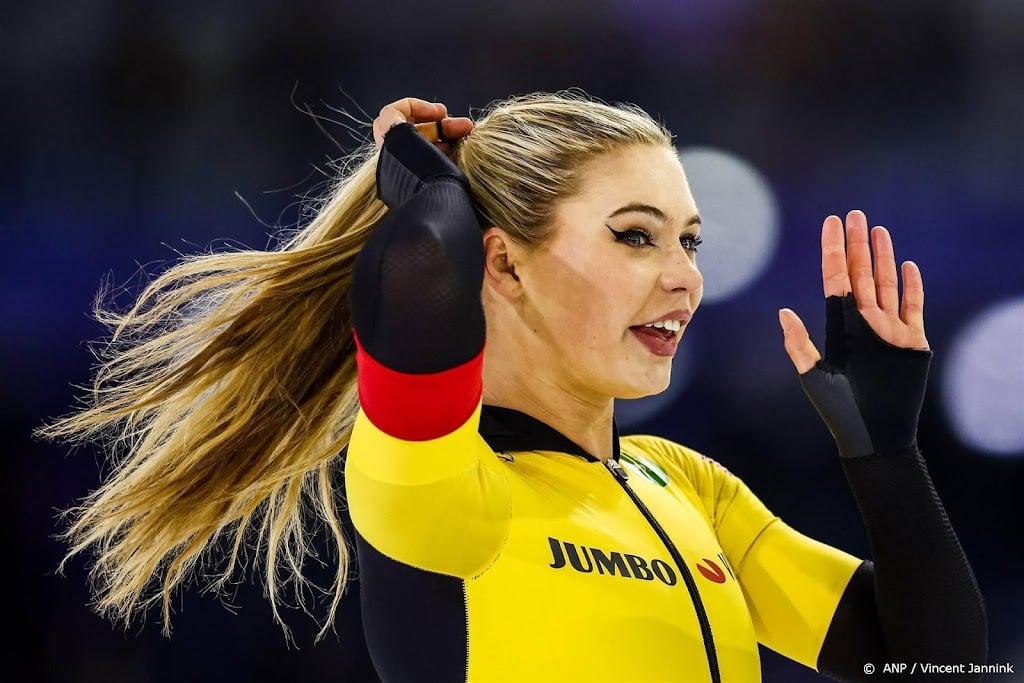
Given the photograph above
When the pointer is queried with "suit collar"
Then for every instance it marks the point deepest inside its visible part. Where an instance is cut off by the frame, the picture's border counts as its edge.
(505, 429)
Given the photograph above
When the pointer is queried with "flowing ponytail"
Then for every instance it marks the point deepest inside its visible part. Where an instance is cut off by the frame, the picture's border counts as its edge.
(226, 393)
(222, 397)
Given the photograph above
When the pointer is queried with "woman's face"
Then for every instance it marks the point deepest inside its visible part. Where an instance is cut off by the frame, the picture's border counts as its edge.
(621, 256)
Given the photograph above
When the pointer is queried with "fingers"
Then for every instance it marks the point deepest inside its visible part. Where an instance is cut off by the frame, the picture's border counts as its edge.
(834, 275)
(451, 129)
(912, 308)
(858, 259)
(798, 343)
(426, 116)
(416, 110)
(409, 109)
(864, 262)
(886, 283)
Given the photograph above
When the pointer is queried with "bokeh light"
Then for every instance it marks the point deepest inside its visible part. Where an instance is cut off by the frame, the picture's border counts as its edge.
(983, 382)
(741, 219)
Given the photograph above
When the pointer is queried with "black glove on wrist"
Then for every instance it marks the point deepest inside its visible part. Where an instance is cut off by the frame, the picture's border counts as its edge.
(868, 392)
(408, 161)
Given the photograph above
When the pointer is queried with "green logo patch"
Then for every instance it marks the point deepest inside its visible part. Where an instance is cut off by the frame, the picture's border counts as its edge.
(644, 467)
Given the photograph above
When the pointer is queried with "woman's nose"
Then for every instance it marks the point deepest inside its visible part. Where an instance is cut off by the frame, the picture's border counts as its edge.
(680, 272)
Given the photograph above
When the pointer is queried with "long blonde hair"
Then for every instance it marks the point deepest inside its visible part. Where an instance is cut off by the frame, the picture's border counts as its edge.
(224, 396)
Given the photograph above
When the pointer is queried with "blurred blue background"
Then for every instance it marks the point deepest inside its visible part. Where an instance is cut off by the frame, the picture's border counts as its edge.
(132, 131)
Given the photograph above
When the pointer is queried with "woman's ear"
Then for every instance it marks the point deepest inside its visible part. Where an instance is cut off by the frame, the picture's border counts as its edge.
(501, 256)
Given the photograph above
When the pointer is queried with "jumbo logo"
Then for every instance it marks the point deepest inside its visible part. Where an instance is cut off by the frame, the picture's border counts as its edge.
(585, 560)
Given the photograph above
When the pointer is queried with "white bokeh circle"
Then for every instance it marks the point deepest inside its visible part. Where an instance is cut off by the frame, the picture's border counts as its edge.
(741, 219)
(983, 380)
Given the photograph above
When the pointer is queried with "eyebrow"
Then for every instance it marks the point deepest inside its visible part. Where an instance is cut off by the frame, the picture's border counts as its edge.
(636, 207)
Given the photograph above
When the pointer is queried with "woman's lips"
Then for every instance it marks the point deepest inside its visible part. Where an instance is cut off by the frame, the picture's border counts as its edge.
(654, 339)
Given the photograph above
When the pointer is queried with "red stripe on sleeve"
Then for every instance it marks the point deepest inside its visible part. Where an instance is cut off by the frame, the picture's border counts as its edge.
(418, 407)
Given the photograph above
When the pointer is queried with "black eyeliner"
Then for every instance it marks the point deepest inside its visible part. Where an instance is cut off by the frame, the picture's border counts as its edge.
(618, 234)
(623, 236)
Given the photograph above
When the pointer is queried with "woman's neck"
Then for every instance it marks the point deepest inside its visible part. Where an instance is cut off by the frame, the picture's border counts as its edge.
(529, 390)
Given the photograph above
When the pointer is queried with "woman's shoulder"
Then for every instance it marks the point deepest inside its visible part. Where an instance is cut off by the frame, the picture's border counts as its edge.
(659, 453)
(701, 479)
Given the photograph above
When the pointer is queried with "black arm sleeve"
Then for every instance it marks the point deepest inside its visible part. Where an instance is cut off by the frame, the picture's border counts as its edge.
(416, 283)
(919, 600)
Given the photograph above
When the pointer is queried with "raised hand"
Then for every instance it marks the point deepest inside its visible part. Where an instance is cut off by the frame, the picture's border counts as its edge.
(870, 385)
(846, 266)
(430, 118)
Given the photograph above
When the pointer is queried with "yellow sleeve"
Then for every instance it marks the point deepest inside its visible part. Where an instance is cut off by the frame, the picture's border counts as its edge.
(792, 583)
(441, 505)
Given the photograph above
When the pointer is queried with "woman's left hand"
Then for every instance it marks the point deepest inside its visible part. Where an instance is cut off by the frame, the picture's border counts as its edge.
(846, 265)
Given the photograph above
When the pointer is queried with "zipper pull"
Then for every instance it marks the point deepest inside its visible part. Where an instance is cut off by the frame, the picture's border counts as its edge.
(616, 469)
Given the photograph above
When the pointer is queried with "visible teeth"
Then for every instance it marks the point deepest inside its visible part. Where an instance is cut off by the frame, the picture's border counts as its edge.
(673, 325)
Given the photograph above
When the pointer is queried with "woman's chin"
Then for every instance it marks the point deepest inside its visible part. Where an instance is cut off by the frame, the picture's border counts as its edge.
(652, 388)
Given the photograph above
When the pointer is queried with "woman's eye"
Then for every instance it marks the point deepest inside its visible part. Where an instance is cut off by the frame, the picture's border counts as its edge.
(691, 242)
(634, 237)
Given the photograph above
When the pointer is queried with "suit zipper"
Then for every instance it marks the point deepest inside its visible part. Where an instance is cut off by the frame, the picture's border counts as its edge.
(465, 604)
(702, 616)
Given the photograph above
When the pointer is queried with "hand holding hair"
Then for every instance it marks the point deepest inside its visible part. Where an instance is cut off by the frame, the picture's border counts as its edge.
(430, 119)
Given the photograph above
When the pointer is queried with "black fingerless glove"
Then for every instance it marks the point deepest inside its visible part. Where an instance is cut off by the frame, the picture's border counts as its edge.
(407, 162)
(867, 391)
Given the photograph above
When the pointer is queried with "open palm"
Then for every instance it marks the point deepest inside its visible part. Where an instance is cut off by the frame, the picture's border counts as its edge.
(846, 265)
